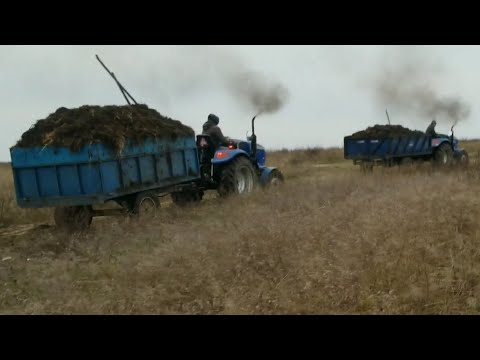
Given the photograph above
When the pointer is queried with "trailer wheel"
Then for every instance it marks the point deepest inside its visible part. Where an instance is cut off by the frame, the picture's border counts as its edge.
(183, 198)
(444, 155)
(238, 177)
(73, 218)
(146, 205)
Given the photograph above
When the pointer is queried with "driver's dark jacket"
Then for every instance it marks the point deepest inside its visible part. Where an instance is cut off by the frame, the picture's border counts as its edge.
(431, 130)
(211, 129)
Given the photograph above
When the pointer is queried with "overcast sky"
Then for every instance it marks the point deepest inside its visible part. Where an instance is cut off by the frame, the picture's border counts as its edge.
(333, 91)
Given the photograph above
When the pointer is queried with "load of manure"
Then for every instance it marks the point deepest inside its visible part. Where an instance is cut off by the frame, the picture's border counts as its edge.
(110, 125)
(385, 131)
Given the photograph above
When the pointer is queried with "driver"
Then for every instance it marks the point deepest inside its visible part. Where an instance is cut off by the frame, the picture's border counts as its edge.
(212, 129)
(431, 129)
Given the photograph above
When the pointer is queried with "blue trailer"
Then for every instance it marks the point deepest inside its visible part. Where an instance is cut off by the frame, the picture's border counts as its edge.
(442, 150)
(75, 182)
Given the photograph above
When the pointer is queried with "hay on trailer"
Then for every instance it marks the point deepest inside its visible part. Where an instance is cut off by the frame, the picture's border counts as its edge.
(385, 131)
(110, 125)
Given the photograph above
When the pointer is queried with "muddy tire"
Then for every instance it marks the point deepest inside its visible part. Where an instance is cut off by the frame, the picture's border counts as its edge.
(185, 198)
(146, 205)
(73, 218)
(238, 177)
(443, 156)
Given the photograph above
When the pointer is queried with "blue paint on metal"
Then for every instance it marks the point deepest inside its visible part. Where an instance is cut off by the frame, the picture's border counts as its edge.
(59, 177)
(243, 148)
(369, 149)
(396, 147)
(227, 155)
(247, 147)
(436, 142)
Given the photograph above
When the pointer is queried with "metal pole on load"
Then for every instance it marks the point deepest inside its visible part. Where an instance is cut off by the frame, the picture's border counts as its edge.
(388, 117)
(122, 89)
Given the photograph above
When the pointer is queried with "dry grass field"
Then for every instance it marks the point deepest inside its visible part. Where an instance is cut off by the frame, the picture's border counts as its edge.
(332, 240)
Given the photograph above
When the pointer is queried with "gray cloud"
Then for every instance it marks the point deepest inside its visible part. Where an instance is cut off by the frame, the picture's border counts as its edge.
(194, 69)
(410, 82)
(256, 92)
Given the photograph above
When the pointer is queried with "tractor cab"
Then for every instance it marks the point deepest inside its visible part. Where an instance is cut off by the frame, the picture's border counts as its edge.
(236, 167)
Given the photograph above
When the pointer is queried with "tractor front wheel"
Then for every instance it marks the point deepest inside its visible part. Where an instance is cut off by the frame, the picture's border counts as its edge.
(462, 159)
(275, 178)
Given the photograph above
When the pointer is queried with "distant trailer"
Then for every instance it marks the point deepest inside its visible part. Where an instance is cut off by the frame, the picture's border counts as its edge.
(442, 150)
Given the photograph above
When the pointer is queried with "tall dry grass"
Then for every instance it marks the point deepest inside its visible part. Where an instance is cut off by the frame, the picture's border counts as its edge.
(330, 241)
(473, 149)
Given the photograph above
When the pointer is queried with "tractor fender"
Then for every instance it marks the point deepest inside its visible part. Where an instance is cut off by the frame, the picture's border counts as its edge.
(223, 156)
(436, 142)
(265, 173)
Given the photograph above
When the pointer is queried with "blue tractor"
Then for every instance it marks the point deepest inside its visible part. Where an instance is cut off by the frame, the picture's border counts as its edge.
(442, 150)
(237, 168)
(74, 182)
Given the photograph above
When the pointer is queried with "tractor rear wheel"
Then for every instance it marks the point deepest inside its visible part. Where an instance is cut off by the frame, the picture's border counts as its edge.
(444, 155)
(238, 177)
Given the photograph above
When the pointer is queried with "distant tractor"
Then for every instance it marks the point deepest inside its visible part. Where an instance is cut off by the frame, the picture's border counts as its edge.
(441, 150)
